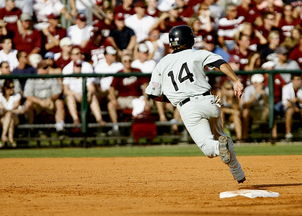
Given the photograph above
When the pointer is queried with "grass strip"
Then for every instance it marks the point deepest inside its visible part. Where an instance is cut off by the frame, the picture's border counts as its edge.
(145, 151)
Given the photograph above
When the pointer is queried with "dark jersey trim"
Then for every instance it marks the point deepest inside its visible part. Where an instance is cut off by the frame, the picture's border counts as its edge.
(217, 63)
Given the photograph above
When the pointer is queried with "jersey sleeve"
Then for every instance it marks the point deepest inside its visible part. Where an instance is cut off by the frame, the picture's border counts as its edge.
(210, 57)
(155, 85)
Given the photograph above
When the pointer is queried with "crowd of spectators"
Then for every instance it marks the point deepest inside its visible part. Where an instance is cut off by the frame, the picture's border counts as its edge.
(125, 36)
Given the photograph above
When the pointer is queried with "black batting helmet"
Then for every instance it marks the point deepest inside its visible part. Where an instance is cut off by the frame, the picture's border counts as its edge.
(181, 37)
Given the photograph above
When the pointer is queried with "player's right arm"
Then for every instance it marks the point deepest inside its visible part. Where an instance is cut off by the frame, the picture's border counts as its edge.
(237, 85)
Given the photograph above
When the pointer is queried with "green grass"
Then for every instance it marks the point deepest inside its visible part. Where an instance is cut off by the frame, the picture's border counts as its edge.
(146, 151)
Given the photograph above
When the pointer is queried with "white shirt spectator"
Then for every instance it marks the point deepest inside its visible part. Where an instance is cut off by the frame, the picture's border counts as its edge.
(77, 35)
(82, 5)
(43, 8)
(158, 48)
(145, 67)
(9, 104)
(75, 84)
(103, 67)
(289, 65)
(141, 27)
(289, 93)
(11, 58)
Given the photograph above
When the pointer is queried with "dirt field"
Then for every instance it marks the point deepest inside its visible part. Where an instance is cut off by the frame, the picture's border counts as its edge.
(165, 186)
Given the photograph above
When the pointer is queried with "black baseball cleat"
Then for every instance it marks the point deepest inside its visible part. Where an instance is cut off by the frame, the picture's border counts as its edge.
(241, 181)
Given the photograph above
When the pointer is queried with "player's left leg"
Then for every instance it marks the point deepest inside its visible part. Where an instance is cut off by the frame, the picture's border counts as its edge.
(234, 165)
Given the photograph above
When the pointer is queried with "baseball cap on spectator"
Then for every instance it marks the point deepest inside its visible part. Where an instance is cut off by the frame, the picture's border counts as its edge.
(49, 55)
(110, 50)
(257, 78)
(25, 17)
(66, 41)
(143, 48)
(34, 59)
(119, 16)
(208, 39)
(281, 50)
(53, 16)
(81, 17)
(140, 4)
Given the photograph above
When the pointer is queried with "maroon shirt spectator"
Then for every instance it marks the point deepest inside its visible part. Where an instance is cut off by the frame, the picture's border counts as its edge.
(10, 14)
(105, 25)
(63, 58)
(125, 8)
(95, 48)
(269, 20)
(288, 21)
(53, 34)
(296, 54)
(27, 39)
(132, 84)
(249, 11)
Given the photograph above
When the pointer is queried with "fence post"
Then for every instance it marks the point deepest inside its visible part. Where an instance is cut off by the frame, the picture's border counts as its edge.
(271, 78)
(84, 106)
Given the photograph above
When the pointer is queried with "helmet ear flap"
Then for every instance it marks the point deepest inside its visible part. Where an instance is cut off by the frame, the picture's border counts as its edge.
(181, 37)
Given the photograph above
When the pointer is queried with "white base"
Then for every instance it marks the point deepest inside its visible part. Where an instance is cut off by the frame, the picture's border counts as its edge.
(248, 193)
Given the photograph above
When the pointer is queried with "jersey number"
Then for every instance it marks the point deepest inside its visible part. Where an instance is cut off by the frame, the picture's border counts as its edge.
(183, 75)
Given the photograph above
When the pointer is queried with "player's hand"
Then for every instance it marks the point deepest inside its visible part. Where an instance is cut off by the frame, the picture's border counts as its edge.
(238, 88)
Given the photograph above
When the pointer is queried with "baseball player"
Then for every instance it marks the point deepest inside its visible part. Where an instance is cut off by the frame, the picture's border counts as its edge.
(179, 78)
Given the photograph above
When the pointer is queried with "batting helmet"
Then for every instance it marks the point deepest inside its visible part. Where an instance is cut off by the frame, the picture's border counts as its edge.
(181, 37)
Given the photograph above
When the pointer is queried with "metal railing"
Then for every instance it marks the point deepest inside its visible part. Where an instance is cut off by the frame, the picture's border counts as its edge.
(84, 103)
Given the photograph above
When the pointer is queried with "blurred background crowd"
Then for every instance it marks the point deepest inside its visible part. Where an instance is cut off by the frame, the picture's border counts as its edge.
(124, 36)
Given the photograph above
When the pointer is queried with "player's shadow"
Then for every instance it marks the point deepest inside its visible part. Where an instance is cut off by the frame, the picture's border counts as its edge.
(265, 186)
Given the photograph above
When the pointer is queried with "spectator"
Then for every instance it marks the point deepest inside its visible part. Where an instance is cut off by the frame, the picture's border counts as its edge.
(10, 15)
(217, 10)
(8, 53)
(108, 65)
(53, 34)
(267, 51)
(126, 8)
(9, 107)
(227, 27)
(186, 11)
(52, 67)
(269, 24)
(5, 70)
(105, 25)
(288, 21)
(204, 16)
(73, 87)
(283, 63)
(139, 22)
(249, 11)
(123, 37)
(254, 103)
(210, 44)
(230, 109)
(43, 8)
(80, 32)
(95, 48)
(292, 102)
(152, 9)
(155, 45)
(292, 41)
(26, 38)
(296, 53)
(44, 95)
(62, 58)
(142, 60)
(23, 67)
(169, 19)
(120, 98)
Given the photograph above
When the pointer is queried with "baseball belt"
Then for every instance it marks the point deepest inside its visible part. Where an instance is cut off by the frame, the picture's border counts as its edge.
(184, 101)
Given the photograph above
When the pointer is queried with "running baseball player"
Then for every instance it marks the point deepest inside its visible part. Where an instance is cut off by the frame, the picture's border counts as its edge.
(179, 78)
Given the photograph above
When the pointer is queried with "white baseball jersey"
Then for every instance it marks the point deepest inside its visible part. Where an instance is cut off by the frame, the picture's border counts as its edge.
(181, 75)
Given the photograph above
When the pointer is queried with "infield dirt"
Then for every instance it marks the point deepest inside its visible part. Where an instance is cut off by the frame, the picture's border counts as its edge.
(147, 186)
